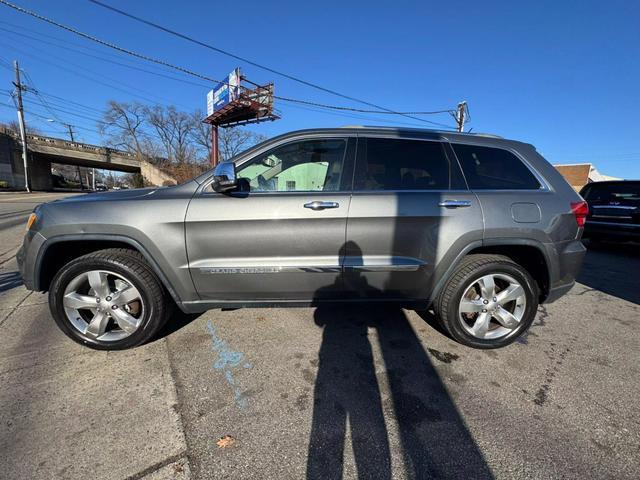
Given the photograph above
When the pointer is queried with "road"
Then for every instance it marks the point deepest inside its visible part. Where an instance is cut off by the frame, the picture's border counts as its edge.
(325, 393)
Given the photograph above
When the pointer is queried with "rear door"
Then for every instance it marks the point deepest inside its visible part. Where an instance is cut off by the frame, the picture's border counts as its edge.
(282, 240)
(409, 212)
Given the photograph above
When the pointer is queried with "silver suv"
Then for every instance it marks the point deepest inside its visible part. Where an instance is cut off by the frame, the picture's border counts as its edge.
(478, 228)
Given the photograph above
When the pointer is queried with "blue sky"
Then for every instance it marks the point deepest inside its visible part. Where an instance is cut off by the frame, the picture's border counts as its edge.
(563, 75)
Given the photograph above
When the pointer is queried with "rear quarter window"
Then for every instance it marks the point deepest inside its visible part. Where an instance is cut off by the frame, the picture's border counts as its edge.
(488, 168)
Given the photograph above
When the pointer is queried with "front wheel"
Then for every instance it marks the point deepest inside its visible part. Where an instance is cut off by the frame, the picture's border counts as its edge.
(488, 302)
(108, 300)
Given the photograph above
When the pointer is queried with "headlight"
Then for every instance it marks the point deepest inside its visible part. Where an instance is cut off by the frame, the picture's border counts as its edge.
(32, 219)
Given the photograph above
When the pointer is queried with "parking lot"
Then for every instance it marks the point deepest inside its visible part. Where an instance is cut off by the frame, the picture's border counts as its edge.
(324, 392)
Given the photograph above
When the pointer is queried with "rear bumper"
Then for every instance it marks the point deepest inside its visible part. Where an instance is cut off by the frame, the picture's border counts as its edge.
(557, 292)
(611, 230)
(570, 256)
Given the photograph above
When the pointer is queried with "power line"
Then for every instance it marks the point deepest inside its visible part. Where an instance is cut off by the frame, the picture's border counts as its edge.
(205, 77)
(291, 100)
(98, 57)
(63, 65)
(303, 102)
(245, 60)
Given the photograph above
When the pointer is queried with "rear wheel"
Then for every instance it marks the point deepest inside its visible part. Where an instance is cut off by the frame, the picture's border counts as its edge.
(488, 302)
(108, 300)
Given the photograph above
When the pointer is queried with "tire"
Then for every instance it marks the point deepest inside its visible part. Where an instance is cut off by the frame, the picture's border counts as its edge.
(121, 317)
(471, 280)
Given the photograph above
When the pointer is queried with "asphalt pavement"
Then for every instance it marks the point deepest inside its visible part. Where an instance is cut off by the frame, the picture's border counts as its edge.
(323, 392)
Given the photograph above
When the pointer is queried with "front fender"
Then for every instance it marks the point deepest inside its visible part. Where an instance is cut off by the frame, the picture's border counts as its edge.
(177, 281)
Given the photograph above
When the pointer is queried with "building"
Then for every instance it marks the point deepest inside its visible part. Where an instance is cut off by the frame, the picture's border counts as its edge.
(579, 174)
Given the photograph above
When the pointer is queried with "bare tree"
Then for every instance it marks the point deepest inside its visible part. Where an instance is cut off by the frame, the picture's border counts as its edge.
(13, 126)
(234, 140)
(231, 141)
(124, 126)
(174, 130)
(201, 134)
(178, 142)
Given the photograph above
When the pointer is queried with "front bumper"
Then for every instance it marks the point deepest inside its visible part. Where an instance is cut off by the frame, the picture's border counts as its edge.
(27, 258)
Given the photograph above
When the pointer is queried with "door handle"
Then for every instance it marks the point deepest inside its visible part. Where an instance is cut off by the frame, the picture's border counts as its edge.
(317, 205)
(454, 203)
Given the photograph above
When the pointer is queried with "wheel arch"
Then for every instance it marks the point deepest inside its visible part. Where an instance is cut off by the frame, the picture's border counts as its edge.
(59, 250)
(528, 253)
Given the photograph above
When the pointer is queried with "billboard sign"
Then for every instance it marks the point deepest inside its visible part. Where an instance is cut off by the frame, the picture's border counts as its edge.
(224, 93)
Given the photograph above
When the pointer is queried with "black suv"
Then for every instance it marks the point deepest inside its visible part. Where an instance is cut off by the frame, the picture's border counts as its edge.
(614, 208)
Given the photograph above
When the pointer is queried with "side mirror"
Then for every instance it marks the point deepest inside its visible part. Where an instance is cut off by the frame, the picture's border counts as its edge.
(224, 177)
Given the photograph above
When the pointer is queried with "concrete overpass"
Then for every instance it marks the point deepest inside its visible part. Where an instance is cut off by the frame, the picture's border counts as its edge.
(42, 151)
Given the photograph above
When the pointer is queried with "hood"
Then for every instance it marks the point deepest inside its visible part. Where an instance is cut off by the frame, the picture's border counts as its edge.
(109, 196)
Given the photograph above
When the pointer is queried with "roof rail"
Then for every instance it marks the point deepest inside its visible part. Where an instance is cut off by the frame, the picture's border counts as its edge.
(386, 127)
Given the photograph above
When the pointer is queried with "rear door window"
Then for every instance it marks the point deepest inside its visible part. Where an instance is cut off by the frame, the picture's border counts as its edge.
(398, 164)
(488, 168)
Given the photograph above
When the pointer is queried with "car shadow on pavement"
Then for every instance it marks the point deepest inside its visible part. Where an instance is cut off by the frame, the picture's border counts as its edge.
(405, 409)
(9, 281)
(614, 269)
(176, 321)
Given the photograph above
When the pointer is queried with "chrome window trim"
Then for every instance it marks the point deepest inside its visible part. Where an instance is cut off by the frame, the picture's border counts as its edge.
(315, 136)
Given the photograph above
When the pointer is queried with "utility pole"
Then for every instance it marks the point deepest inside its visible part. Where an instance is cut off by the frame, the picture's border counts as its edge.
(70, 128)
(461, 115)
(23, 132)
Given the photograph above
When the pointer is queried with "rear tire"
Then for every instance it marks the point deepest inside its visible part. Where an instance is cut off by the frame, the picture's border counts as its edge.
(108, 300)
(488, 302)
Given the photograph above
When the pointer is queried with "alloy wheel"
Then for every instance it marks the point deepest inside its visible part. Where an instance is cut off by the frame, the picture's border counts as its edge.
(492, 306)
(103, 305)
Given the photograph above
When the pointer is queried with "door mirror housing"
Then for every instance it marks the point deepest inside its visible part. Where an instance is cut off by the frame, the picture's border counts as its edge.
(224, 177)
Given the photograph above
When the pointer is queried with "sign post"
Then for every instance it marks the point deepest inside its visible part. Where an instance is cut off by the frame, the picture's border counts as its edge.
(230, 104)
(215, 154)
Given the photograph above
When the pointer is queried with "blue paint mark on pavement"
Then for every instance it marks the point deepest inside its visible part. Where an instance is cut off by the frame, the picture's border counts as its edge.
(227, 361)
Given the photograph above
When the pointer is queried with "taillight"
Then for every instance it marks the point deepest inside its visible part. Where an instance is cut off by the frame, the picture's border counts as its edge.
(580, 210)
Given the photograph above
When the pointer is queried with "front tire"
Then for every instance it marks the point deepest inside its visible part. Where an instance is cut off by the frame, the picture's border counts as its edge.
(488, 302)
(108, 300)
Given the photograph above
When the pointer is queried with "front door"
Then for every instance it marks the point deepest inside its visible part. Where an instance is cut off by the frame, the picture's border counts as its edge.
(284, 239)
(410, 209)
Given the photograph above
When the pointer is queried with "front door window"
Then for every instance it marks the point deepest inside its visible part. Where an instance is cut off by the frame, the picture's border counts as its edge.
(306, 166)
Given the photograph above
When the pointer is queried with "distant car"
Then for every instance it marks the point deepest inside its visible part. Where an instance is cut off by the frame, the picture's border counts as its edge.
(479, 228)
(101, 187)
(614, 210)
